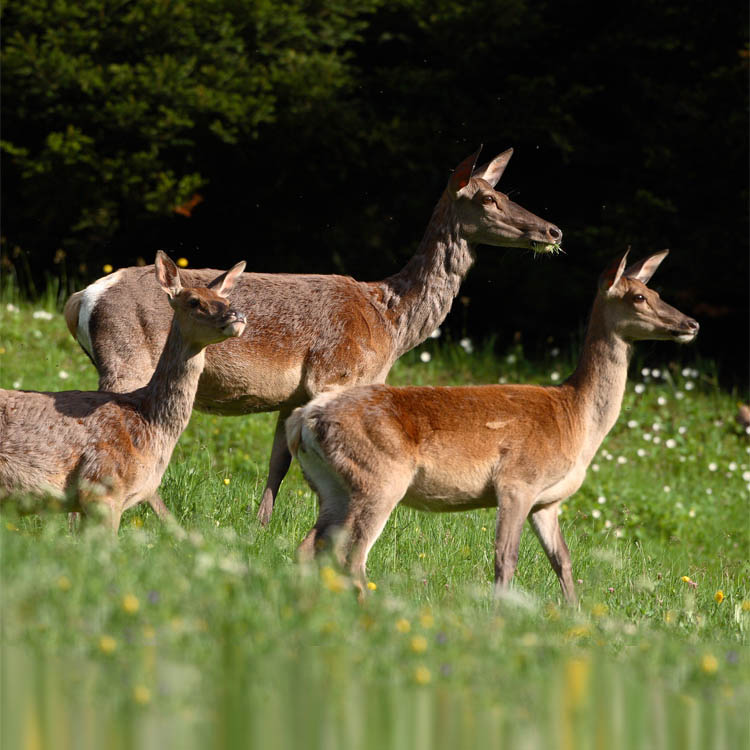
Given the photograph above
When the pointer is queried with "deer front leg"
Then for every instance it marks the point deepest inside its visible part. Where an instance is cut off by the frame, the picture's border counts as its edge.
(277, 469)
(161, 510)
(546, 525)
(511, 513)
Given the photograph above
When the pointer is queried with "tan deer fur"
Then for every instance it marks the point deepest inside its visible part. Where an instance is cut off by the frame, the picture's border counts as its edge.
(521, 448)
(108, 451)
(308, 334)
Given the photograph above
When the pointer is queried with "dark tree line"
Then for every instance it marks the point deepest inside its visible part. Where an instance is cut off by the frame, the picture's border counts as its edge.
(316, 136)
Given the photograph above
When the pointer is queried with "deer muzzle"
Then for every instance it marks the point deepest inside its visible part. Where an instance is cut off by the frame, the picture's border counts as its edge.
(234, 324)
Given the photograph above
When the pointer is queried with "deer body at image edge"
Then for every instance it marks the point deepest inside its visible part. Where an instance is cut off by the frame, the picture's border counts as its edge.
(308, 334)
(108, 451)
(521, 448)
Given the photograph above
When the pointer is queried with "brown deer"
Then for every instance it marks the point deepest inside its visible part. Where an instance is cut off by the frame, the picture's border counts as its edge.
(522, 448)
(308, 333)
(108, 451)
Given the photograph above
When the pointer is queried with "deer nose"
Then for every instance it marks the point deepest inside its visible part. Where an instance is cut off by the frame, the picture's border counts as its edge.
(692, 324)
(554, 232)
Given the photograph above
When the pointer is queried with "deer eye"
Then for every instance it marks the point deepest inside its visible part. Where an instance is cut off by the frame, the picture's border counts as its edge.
(487, 200)
(639, 298)
(194, 302)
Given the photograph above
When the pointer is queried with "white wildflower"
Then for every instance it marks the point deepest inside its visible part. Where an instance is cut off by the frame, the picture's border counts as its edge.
(466, 345)
(709, 491)
(682, 429)
(656, 427)
(554, 376)
(655, 373)
(679, 395)
(647, 436)
(622, 460)
(511, 359)
(601, 499)
(657, 440)
(618, 533)
(732, 466)
(689, 385)
(712, 466)
(63, 375)
(608, 524)
(639, 388)
(645, 371)
(502, 380)
(425, 356)
(554, 352)
(685, 372)
(691, 513)
(435, 334)
(632, 423)
(745, 474)
(641, 453)
(667, 488)
(661, 401)
(16, 384)
(594, 467)
(42, 315)
(596, 513)
(11, 308)
(670, 443)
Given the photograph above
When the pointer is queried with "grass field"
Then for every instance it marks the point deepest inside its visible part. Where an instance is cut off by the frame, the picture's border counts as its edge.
(212, 636)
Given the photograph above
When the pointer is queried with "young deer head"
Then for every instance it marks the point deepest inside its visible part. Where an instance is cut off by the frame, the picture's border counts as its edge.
(203, 314)
(488, 216)
(635, 312)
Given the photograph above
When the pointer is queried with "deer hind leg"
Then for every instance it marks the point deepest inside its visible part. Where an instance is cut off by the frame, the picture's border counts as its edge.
(545, 523)
(513, 507)
(281, 458)
(157, 505)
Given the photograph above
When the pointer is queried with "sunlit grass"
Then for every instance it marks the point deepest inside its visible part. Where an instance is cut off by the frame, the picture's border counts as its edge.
(217, 624)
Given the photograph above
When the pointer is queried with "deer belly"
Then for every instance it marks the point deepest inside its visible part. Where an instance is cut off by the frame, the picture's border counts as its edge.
(451, 488)
(563, 488)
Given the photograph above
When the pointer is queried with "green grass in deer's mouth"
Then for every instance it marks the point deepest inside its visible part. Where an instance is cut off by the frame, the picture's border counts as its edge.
(550, 249)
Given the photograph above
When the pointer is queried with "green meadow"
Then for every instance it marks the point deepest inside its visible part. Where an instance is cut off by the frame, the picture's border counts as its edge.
(211, 635)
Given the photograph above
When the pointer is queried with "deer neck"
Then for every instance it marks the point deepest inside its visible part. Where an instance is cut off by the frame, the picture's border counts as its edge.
(167, 399)
(599, 381)
(420, 295)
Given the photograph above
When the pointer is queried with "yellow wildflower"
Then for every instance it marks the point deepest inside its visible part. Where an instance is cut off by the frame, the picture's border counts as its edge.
(418, 644)
(685, 579)
(141, 694)
(63, 583)
(130, 604)
(578, 631)
(719, 596)
(403, 626)
(746, 605)
(227, 480)
(576, 681)
(670, 616)
(148, 632)
(137, 522)
(426, 620)
(372, 585)
(332, 580)
(599, 610)
(107, 268)
(422, 675)
(709, 664)
(107, 644)
(11, 526)
(182, 262)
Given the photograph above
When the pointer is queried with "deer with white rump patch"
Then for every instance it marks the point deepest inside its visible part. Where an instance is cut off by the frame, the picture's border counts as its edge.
(308, 334)
(521, 448)
(108, 451)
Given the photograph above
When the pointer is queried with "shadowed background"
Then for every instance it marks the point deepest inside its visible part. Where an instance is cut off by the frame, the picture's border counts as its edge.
(317, 137)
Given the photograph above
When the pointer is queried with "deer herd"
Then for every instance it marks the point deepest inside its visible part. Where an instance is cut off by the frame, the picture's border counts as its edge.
(317, 349)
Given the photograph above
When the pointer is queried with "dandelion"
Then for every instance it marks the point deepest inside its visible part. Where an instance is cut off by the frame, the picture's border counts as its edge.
(421, 555)
(594, 467)
(332, 580)
(107, 644)
(608, 524)
(619, 533)
(689, 582)
(719, 596)
(647, 436)
(130, 604)
(107, 268)
(709, 664)
(63, 583)
(639, 388)
(657, 440)
(671, 443)
(422, 675)
(679, 395)
(182, 262)
(63, 375)
(554, 376)
(670, 616)
(425, 356)
(11, 526)
(403, 625)
(596, 513)
(554, 352)
(712, 466)
(601, 499)
(661, 401)
(655, 373)
(11, 308)
(682, 429)
(709, 491)
(227, 480)
(599, 610)
(667, 488)
(641, 453)
(645, 372)
(732, 466)
(502, 380)
(746, 476)
(511, 359)
(436, 334)
(41, 315)
(418, 644)
(689, 385)
(632, 423)
(622, 460)
(656, 427)
(691, 513)
(372, 585)
(745, 605)
(141, 694)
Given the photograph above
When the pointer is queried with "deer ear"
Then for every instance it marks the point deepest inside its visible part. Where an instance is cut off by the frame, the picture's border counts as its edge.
(462, 174)
(644, 269)
(493, 170)
(613, 273)
(223, 284)
(167, 274)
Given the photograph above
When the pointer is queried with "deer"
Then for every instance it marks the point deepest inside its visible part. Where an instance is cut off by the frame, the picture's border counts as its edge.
(521, 448)
(309, 333)
(101, 452)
